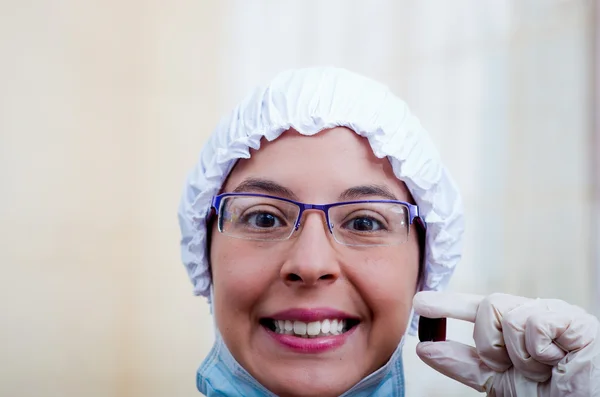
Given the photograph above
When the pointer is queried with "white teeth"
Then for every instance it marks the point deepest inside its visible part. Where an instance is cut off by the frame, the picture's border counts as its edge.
(313, 329)
(299, 328)
(334, 327)
(288, 325)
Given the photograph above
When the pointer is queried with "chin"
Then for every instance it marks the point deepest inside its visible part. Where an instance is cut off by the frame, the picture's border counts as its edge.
(311, 382)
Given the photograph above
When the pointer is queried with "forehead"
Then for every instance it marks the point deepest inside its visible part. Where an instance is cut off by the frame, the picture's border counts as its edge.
(319, 166)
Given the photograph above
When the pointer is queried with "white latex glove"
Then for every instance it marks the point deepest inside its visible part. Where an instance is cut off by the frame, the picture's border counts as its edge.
(523, 347)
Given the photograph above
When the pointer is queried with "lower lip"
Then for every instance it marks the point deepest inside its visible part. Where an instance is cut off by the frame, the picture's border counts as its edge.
(311, 345)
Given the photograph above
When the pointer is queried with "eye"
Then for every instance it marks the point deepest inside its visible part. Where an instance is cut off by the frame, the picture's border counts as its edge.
(262, 220)
(364, 224)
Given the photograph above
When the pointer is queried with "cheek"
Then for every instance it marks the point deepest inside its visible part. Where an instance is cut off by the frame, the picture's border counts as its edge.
(390, 282)
(387, 281)
(240, 275)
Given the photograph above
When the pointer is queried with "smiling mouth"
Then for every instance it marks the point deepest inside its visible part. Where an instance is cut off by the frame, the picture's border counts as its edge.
(313, 329)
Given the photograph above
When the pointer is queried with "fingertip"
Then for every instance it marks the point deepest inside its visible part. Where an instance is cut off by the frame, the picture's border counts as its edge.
(423, 294)
(422, 302)
(424, 345)
(457, 361)
(425, 350)
(434, 304)
(432, 350)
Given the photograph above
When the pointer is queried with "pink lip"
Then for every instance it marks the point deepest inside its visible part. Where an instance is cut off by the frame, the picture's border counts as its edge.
(311, 345)
(308, 315)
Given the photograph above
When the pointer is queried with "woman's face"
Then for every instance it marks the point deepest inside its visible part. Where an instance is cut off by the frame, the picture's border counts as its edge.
(311, 276)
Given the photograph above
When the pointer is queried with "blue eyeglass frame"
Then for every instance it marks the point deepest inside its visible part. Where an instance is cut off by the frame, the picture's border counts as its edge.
(413, 210)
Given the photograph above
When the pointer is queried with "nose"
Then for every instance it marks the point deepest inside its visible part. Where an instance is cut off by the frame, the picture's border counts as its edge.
(312, 258)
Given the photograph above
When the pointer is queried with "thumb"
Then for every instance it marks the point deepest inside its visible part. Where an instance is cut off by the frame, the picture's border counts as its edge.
(457, 361)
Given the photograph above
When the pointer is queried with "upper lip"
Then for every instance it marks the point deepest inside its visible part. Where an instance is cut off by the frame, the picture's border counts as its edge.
(309, 315)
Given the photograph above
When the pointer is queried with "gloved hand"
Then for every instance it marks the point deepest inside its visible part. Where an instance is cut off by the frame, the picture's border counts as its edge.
(523, 347)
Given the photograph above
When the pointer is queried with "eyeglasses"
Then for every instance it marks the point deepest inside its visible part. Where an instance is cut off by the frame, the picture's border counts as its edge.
(355, 223)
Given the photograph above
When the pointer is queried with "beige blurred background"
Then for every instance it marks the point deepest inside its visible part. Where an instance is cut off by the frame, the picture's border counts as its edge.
(104, 106)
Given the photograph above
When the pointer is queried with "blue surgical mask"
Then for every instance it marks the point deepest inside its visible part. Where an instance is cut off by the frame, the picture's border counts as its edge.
(221, 375)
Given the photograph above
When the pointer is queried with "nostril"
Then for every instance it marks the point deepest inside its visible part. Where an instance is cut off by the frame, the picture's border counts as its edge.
(326, 277)
(294, 277)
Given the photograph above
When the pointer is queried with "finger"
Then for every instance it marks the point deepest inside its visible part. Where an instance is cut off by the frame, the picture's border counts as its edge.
(457, 361)
(570, 329)
(488, 333)
(577, 334)
(455, 305)
(539, 337)
(518, 342)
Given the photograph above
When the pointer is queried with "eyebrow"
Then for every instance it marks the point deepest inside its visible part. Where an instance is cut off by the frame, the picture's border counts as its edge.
(364, 191)
(259, 185)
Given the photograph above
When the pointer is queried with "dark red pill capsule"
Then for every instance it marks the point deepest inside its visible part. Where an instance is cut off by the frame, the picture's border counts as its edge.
(432, 329)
